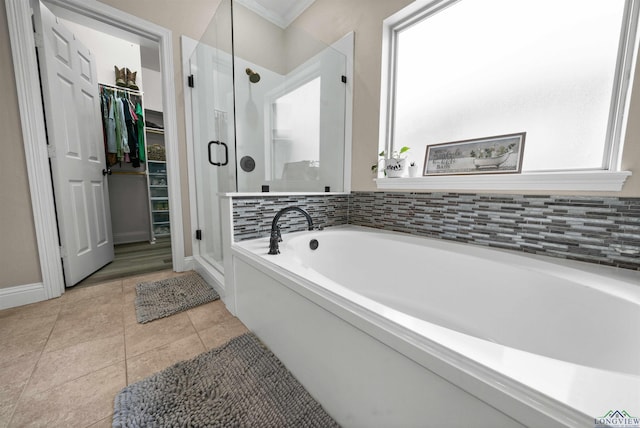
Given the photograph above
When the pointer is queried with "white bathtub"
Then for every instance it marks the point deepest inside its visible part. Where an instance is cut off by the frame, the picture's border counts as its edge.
(517, 338)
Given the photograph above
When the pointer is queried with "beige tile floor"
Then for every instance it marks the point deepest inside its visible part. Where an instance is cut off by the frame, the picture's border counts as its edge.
(63, 361)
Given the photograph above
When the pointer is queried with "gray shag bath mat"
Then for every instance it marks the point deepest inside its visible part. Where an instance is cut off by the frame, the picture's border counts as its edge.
(240, 384)
(160, 299)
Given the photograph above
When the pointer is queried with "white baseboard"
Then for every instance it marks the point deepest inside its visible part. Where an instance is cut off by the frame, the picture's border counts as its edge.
(189, 263)
(211, 279)
(210, 275)
(22, 295)
(130, 237)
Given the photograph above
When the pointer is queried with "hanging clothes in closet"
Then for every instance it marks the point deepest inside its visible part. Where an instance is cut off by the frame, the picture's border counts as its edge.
(123, 126)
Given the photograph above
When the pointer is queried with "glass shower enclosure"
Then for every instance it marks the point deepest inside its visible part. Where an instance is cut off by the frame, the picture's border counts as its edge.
(213, 132)
(267, 114)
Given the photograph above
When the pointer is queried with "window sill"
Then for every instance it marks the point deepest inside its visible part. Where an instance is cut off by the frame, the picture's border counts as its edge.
(604, 181)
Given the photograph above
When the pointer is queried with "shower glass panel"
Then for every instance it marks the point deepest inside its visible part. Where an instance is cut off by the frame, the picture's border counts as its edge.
(295, 133)
(268, 109)
(290, 107)
(213, 130)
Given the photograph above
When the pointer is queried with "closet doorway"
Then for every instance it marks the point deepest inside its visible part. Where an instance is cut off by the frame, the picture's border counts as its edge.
(128, 76)
(108, 20)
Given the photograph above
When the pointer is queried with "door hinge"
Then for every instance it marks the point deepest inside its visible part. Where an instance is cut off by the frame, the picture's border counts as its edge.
(343, 79)
(190, 81)
(38, 40)
(199, 235)
(51, 151)
(63, 254)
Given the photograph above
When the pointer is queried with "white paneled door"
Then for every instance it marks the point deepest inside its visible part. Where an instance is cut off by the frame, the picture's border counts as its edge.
(76, 147)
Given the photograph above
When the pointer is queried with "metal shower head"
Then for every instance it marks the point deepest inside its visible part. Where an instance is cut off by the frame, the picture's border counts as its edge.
(253, 76)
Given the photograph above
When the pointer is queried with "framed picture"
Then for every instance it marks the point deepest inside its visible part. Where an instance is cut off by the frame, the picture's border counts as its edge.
(501, 154)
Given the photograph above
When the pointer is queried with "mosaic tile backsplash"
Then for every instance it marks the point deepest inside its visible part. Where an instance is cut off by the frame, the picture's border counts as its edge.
(593, 229)
(252, 216)
(597, 230)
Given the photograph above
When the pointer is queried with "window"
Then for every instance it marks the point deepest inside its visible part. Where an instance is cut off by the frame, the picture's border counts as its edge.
(555, 69)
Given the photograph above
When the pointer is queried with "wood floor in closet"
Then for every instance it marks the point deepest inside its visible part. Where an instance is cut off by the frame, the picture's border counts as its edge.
(134, 259)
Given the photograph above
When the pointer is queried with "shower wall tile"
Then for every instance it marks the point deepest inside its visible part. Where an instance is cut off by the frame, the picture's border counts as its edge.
(592, 229)
(252, 216)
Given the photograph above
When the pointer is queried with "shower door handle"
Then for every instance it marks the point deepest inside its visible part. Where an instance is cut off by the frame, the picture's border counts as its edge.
(226, 153)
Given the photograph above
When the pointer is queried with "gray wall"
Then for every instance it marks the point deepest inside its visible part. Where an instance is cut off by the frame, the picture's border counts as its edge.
(129, 200)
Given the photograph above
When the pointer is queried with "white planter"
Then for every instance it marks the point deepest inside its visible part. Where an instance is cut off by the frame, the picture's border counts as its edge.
(414, 171)
(395, 167)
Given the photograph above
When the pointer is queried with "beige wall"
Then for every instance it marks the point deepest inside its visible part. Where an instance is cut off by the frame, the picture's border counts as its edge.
(631, 152)
(326, 20)
(329, 20)
(258, 41)
(18, 251)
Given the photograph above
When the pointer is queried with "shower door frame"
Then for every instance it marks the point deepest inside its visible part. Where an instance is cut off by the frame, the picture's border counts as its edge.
(213, 274)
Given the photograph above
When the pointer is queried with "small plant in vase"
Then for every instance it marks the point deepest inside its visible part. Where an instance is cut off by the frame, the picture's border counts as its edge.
(394, 166)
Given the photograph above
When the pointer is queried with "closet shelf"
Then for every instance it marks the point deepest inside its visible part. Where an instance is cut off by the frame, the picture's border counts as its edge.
(128, 173)
(157, 174)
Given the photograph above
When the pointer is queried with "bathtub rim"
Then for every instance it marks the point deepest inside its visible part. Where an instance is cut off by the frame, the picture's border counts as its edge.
(510, 396)
(523, 404)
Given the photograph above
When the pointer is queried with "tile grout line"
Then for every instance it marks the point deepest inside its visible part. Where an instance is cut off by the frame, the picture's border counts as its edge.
(100, 420)
(124, 337)
(79, 377)
(76, 378)
(24, 388)
(57, 319)
(78, 343)
(196, 330)
(71, 380)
